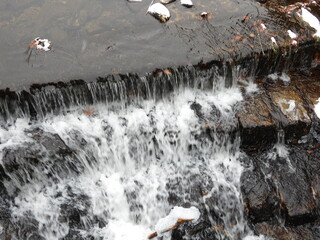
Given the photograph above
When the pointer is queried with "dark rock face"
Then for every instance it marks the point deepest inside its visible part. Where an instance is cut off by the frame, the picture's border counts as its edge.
(283, 192)
(278, 105)
(281, 189)
(280, 136)
(47, 156)
(43, 156)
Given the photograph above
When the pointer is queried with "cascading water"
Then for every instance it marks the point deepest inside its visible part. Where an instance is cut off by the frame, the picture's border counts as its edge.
(114, 174)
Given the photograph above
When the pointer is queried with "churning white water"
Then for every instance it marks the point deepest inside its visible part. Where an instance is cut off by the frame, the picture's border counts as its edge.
(133, 165)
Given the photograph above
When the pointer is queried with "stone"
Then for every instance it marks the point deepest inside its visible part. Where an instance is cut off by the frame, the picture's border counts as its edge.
(285, 232)
(257, 126)
(259, 196)
(290, 104)
(283, 189)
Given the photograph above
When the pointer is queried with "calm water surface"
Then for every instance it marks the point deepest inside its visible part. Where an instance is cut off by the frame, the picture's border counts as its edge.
(99, 37)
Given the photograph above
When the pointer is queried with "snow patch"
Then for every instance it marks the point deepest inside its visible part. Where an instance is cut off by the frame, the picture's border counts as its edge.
(292, 34)
(313, 21)
(177, 213)
(317, 108)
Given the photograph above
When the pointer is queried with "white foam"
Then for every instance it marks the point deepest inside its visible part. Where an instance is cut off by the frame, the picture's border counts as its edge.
(317, 108)
(124, 230)
(251, 88)
(275, 76)
(177, 213)
(285, 77)
(130, 157)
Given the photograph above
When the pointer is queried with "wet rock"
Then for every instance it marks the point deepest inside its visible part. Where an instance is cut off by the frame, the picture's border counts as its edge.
(5, 212)
(201, 230)
(77, 138)
(51, 142)
(309, 90)
(258, 129)
(204, 233)
(288, 100)
(46, 156)
(285, 232)
(75, 234)
(259, 196)
(290, 104)
(283, 189)
(25, 228)
(74, 209)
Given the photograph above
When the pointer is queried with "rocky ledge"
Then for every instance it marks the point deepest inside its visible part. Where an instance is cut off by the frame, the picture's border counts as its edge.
(280, 136)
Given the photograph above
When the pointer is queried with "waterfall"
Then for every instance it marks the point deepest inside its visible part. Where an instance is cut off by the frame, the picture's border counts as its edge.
(58, 98)
(108, 159)
(115, 173)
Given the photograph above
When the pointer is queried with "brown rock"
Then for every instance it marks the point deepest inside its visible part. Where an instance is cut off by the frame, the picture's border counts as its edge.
(290, 104)
(257, 124)
(285, 233)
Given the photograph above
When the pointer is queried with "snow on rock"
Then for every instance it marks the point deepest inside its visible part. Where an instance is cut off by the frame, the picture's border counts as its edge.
(313, 21)
(292, 105)
(187, 3)
(292, 34)
(159, 11)
(317, 108)
(175, 214)
(273, 40)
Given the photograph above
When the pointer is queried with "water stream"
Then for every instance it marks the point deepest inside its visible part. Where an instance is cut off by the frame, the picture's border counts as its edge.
(122, 167)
